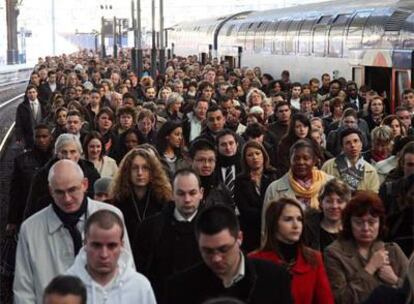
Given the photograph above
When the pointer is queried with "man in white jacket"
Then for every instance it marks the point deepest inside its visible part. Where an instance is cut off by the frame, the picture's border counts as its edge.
(50, 239)
(105, 267)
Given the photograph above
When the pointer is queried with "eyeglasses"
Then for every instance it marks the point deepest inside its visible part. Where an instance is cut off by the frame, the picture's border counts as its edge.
(205, 160)
(222, 250)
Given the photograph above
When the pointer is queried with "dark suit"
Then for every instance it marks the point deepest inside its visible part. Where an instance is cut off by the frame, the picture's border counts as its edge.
(25, 122)
(263, 283)
(45, 92)
(163, 247)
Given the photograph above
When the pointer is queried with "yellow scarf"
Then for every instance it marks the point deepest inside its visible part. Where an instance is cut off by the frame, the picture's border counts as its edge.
(318, 180)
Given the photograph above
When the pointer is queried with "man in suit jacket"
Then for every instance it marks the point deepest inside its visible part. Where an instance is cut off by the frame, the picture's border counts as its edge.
(29, 113)
(47, 88)
(225, 270)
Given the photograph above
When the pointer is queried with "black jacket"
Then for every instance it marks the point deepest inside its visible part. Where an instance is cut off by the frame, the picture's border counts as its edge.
(39, 196)
(25, 167)
(263, 283)
(135, 211)
(250, 205)
(163, 247)
(25, 123)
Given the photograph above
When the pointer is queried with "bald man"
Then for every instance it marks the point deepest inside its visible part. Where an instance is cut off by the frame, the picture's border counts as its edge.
(50, 239)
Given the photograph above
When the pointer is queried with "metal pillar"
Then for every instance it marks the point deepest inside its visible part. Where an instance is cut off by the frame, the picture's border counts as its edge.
(114, 40)
(11, 18)
(53, 29)
(139, 42)
(162, 42)
(103, 50)
(153, 49)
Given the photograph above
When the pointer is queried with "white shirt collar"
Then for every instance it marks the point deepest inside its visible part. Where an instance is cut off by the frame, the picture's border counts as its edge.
(238, 275)
(180, 218)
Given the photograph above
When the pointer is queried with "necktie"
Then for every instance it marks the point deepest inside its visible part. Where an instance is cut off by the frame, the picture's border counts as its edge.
(34, 110)
(229, 180)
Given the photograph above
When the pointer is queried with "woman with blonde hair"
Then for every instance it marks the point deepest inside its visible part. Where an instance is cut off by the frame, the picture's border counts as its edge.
(141, 188)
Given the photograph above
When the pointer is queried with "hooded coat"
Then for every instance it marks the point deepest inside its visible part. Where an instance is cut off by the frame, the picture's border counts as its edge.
(127, 287)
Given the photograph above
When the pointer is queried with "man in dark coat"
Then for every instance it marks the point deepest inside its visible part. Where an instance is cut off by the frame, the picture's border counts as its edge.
(25, 167)
(29, 113)
(203, 161)
(67, 146)
(165, 243)
(225, 271)
(279, 128)
(47, 88)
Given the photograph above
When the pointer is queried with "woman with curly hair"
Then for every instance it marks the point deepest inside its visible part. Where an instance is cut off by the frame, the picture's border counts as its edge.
(141, 188)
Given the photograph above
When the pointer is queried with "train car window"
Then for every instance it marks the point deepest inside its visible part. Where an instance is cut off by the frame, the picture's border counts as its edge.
(241, 34)
(407, 32)
(374, 28)
(250, 36)
(319, 36)
(396, 21)
(355, 30)
(260, 36)
(292, 37)
(305, 36)
(230, 29)
(336, 36)
(281, 36)
(269, 37)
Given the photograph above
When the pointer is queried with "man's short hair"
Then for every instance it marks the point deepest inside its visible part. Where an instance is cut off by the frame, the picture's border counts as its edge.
(104, 219)
(200, 144)
(66, 285)
(186, 172)
(281, 104)
(225, 132)
(348, 131)
(214, 108)
(75, 113)
(65, 139)
(215, 219)
(254, 130)
(408, 91)
(42, 126)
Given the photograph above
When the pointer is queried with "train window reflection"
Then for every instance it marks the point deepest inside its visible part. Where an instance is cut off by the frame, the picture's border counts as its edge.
(355, 30)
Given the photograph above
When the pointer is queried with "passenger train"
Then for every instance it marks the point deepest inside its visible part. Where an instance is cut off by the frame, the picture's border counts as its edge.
(371, 42)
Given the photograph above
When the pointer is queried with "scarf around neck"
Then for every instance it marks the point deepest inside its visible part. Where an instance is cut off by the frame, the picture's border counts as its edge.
(70, 220)
(318, 180)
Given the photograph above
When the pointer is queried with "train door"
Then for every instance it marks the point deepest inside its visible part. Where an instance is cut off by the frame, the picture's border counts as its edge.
(379, 80)
(401, 81)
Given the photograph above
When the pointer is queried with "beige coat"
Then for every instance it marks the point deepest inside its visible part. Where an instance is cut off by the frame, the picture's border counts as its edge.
(350, 282)
(369, 182)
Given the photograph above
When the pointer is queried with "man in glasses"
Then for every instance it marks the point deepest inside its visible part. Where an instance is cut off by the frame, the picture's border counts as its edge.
(226, 271)
(50, 239)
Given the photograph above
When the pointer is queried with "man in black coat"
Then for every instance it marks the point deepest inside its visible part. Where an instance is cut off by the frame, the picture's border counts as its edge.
(29, 113)
(279, 128)
(165, 243)
(67, 146)
(25, 167)
(225, 271)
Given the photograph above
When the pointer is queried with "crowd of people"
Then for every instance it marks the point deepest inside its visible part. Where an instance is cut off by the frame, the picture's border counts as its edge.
(209, 184)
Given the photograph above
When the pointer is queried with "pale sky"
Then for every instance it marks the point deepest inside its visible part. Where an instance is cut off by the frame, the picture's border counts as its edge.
(84, 16)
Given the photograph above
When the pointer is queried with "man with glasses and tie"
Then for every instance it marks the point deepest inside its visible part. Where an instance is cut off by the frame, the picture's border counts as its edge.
(51, 238)
(30, 113)
(225, 271)
(203, 162)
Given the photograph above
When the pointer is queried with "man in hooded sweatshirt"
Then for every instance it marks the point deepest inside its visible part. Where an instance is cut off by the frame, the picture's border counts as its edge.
(105, 267)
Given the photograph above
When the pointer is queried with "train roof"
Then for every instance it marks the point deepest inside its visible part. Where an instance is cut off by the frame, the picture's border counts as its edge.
(307, 10)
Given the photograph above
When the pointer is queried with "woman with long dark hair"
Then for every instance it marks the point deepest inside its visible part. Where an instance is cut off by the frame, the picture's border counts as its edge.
(250, 188)
(169, 144)
(283, 245)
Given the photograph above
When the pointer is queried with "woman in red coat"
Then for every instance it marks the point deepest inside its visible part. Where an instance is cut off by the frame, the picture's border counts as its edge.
(283, 246)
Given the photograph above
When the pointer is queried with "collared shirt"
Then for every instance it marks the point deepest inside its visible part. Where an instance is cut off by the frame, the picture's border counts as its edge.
(239, 274)
(195, 127)
(180, 218)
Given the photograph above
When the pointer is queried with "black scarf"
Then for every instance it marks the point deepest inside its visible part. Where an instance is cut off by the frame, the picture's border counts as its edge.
(70, 220)
(227, 161)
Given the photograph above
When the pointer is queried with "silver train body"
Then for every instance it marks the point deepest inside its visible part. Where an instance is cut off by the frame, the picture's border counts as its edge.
(371, 42)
